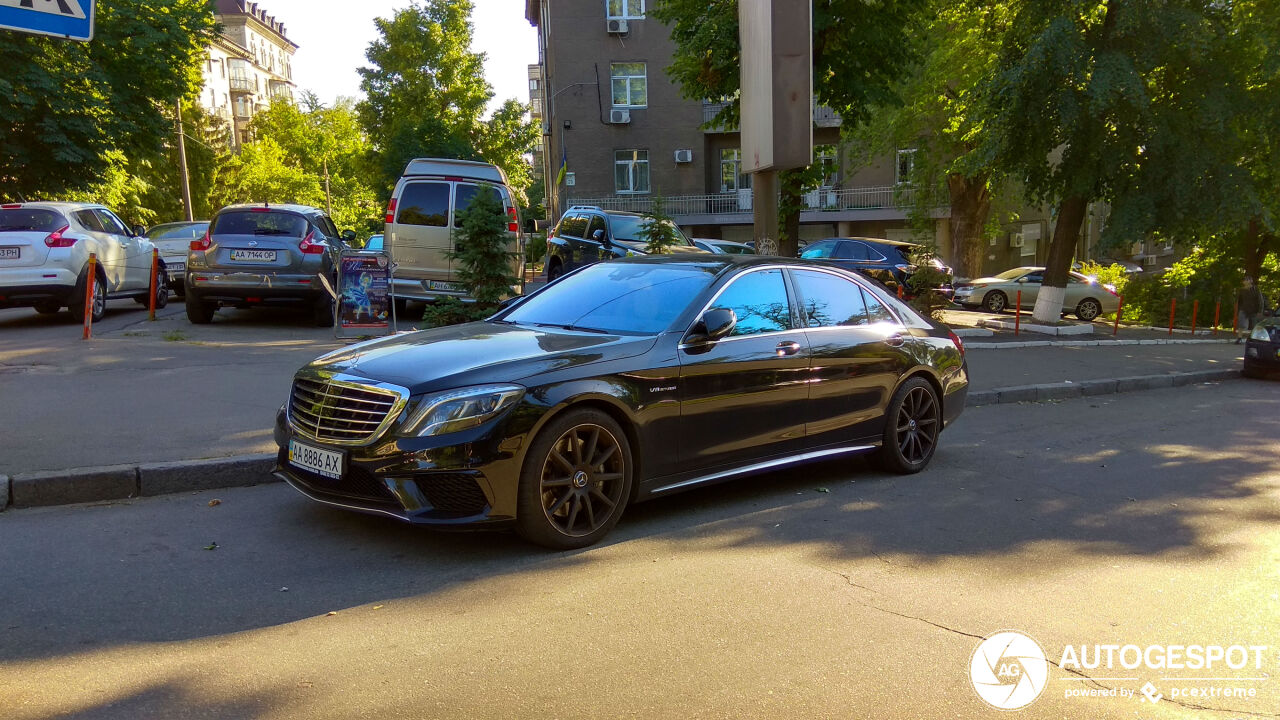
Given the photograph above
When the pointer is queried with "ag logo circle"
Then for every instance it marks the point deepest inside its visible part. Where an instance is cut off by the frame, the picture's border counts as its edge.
(1009, 670)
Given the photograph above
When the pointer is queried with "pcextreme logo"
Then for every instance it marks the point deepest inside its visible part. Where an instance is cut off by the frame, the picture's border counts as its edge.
(1009, 670)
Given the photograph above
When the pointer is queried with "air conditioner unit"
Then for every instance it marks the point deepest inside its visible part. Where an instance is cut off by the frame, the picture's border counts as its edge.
(619, 116)
(617, 26)
(1015, 240)
(684, 156)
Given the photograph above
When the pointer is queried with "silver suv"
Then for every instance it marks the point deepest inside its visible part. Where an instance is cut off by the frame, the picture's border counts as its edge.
(44, 258)
(254, 255)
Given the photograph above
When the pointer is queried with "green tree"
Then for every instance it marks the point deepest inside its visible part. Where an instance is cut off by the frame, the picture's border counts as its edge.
(658, 230)
(262, 172)
(1089, 96)
(483, 259)
(860, 48)
(68, 109)
(506, 140)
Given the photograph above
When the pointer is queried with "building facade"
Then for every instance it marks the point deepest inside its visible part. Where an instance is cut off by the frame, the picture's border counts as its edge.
(247, 66)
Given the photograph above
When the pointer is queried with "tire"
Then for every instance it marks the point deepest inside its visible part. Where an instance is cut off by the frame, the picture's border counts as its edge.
(913, 421)
(99, 303)
(576, 481)
(995, 302)
(322, 312)
(1249, 371)
(554, 271)
(199, 312)
(48, 307)
(1088, 309)
(162, 297)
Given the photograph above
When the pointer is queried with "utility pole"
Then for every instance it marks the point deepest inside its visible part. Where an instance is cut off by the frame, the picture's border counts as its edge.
(185, 176)
(328, 200)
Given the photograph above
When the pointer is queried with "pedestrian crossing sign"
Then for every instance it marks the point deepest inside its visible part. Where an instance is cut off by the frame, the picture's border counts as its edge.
(69, 19)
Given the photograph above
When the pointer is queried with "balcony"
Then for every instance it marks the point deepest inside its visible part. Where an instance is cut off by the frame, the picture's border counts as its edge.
(241, 84)
(823, 117)
(827, 204)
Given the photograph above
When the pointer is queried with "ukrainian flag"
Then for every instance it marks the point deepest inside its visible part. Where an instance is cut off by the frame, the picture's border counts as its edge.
(564, 165)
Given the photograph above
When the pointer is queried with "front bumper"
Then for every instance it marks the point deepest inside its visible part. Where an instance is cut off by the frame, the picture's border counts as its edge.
(467, 480)
(1261, 355)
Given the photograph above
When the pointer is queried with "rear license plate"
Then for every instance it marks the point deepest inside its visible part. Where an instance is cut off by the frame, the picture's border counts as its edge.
(446, 286)
(10, 253)
(322, 462)
(176, 266)
(253, 255)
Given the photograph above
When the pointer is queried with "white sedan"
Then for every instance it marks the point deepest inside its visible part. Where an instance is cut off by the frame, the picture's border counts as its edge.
(1085, 298)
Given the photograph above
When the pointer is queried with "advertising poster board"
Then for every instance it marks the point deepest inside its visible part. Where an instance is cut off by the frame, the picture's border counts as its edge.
(365, 304)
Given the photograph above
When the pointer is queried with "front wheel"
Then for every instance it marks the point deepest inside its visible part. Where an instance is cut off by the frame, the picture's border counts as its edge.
(912, 423)
(575, 482)
(995, 301)
(1088, 309)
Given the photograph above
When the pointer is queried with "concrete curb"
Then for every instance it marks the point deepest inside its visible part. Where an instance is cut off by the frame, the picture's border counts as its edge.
(1088, 343)
(1089, 388)
(121, 482)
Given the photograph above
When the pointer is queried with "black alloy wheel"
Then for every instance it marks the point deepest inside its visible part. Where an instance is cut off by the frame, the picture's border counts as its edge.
(912, 424)
(576, 481)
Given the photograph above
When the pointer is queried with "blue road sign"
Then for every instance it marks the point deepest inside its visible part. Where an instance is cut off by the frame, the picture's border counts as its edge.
(70, 19)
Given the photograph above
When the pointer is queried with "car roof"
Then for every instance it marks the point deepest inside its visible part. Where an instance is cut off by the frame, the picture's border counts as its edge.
(878, 241)
(468, 169)
(300, 209)
(180, 223)
(55, 205)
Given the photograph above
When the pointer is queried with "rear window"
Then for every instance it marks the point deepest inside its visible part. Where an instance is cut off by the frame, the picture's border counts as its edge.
(424, 203)
(30, 220)
(176, 232)
(250, 222)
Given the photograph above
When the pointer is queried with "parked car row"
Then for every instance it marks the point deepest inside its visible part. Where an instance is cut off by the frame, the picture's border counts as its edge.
(1085, 297)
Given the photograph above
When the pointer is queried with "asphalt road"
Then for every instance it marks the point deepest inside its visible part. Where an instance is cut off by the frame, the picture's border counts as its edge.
(833, 591)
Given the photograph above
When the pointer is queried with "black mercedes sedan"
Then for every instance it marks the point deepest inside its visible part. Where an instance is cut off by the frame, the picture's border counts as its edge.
(619, 382)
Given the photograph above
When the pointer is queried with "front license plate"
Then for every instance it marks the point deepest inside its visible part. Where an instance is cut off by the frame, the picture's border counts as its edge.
(10, 253)
(446, 286)
(322, 462)
(253, 255)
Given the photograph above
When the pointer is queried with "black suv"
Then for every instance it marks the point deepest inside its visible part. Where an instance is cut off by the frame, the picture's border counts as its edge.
(886, 261)
(586, 234)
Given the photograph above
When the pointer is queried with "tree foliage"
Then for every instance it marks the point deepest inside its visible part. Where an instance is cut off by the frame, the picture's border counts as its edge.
(658, 230)
(483, 258)
(263, 172)
(70, 110)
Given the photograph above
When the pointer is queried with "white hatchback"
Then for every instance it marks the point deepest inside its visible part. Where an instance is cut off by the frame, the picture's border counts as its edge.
(44, 258)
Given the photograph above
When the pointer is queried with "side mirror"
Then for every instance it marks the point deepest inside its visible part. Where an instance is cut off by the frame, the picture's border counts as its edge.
(601, 237)
(715, 324)
(348, 236)
(139, 230)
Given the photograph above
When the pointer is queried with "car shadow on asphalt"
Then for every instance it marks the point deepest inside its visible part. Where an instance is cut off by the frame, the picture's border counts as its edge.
(1120, 480)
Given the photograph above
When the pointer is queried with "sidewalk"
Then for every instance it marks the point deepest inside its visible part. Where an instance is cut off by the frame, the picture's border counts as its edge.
(141, 395)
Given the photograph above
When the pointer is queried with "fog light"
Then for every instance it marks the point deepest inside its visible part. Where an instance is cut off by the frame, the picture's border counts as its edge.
(1251, 352)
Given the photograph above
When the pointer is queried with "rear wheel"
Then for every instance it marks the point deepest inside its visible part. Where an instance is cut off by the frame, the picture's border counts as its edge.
(1088, 309)
(199, 312)
(912, 423)
(322, 312)
(576, 481)
(99, 299)
(48, 307)
(995, 301)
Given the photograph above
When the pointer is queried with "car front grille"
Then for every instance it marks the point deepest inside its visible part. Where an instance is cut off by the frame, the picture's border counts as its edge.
(355, 484)
(343, 413)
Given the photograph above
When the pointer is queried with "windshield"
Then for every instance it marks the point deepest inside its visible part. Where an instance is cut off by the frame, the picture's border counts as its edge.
(624, 298)
(30, 220)
(626, 228)
(1014, 273)
(258, 222)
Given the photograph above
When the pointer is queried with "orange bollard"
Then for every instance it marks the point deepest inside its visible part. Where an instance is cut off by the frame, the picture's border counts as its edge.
(1119, 311)
(88, 295)
(1195, 308)
(1217, 307)
(1173, 304)
(155, 268)
(1017, 315)
(899, 291)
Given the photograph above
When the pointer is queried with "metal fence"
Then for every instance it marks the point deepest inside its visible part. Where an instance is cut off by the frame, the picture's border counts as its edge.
(826, 199)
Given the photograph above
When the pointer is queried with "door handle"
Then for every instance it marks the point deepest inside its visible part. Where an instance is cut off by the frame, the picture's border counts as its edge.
(894, 340)
(788, 348)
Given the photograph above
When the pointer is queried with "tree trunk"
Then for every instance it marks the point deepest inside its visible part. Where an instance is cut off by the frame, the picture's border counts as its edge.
(1256, 246)
(970, 208)
(1061, 249)
(789, 214)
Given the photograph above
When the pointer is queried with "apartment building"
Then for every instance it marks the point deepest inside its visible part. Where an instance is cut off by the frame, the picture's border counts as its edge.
(247, 66)
(535, 112)
(617, 133)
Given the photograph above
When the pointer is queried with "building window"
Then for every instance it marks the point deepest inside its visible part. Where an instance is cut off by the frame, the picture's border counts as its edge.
(828, 158)
(732, 178)
(628, 9)
(631, 171)
(533, 83)
(630, 86)
(535, 106)
(906, 164)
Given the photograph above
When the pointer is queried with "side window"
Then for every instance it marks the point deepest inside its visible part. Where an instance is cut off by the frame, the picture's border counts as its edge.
(873, 253)
(575, 226)
(463, 195)
(1035, 277)
(830, 301)
(1073, 280)
(819, 250)
(110, 223)
(759, 299)
(329, 228)
(424, 203)
(859, 251)
(845, 251)
(597, 223)
(89, 220)
(876, 310)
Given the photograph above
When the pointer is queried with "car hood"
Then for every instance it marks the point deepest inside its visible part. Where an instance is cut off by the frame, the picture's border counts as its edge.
(987, 281)
(480, 352)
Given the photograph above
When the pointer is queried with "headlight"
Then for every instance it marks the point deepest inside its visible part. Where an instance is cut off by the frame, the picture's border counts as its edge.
(1261, 332)
(456, 410)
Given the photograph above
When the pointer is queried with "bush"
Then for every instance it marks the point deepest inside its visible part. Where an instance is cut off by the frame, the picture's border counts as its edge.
(657, 232)
(480, 247)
